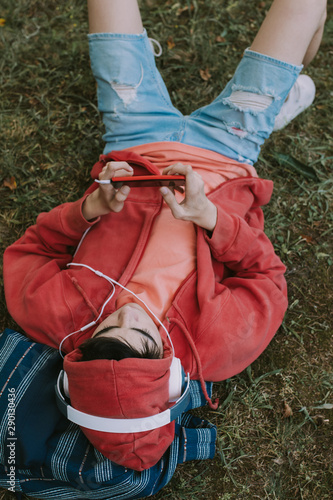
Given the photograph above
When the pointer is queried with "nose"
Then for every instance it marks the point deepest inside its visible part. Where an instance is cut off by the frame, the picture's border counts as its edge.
(127, 316)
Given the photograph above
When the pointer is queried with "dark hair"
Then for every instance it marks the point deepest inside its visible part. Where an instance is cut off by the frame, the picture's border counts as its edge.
(110, 348)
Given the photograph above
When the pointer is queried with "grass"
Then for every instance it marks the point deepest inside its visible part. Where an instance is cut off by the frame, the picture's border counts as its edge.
(51, 135)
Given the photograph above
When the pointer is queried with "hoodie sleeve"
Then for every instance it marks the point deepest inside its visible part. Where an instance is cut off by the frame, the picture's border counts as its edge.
(35, 276)
(240, 313)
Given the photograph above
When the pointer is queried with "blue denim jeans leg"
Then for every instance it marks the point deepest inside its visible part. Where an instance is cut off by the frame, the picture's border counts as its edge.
(137, 108)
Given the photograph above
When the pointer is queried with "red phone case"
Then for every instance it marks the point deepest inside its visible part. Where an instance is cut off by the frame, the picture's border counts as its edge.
(149, 181)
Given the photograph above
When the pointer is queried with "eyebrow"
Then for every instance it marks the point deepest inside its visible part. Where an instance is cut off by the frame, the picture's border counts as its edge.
(143, 332)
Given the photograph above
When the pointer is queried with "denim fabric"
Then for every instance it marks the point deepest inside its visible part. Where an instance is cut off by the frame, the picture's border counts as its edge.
(52, 457)
(137, 108)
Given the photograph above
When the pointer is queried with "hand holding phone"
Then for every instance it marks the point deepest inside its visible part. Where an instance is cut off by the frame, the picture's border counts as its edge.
(195, 207)
(107, 199)
(174, 182)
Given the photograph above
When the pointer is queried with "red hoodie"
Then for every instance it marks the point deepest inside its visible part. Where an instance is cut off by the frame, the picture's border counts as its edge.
(222, 316)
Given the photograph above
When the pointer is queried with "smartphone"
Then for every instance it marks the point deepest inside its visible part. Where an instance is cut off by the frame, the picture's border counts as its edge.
(173, 181)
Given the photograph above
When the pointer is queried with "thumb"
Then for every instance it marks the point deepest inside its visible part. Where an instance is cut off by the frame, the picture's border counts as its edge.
(170, 200)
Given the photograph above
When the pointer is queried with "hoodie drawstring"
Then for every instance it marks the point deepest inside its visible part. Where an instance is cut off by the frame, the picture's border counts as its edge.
(189, 339)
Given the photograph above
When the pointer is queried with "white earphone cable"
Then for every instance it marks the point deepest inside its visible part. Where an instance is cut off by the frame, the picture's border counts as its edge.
(81, 240)
(112, 282)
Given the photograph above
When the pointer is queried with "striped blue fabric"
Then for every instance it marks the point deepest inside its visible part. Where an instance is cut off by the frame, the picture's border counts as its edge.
(44, 455)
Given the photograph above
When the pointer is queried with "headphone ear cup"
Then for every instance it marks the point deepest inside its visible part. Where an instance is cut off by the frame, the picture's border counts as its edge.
(65, 384)
(176, 380)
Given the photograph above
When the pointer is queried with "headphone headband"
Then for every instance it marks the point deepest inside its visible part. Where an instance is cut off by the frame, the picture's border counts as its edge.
(121, 425)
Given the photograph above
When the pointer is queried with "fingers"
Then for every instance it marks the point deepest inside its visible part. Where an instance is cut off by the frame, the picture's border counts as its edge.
(119, 198)
(112, 197)
(195, 207)
(194, 181)
(106, 198)
(168, 193)
(178, 168)
(115, 169)
(170, 200)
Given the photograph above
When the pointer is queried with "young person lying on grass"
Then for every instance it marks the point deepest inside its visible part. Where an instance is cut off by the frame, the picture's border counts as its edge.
(199, 264)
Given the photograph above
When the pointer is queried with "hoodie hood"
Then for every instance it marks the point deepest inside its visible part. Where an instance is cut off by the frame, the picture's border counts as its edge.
(130, 388)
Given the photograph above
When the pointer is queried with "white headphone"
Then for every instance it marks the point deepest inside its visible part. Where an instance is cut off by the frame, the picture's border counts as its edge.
(177, 383)
(178, 391)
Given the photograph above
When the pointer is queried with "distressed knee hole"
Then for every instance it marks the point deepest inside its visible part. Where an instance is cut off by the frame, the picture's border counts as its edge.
(249, 101)
(239, 132)
(127, 93)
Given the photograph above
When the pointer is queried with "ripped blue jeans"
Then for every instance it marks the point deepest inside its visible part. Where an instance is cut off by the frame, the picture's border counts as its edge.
(137, 108)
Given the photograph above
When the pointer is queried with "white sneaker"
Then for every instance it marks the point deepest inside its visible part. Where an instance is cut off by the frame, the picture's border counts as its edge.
(300, 97)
